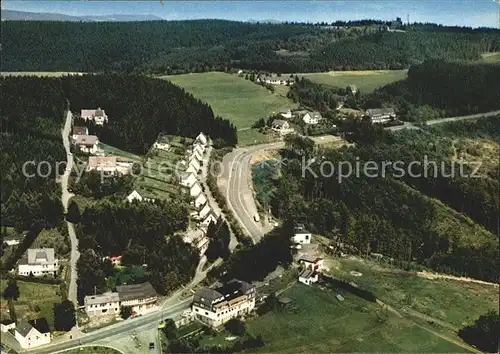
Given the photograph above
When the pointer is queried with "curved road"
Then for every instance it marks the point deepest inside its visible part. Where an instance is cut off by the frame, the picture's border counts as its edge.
(236, 183)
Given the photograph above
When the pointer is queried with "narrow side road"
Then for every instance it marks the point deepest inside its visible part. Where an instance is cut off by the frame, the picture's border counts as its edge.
(66, 195)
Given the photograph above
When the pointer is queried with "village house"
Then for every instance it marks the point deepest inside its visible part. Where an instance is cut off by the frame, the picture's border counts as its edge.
(204, 211)
(87, 143)
(214, 307)
(211, 217)
(105, 164)
(380, 115)
(38, 262)
(200, 149)
(308, 276)
(312, 118)
(352, 89)
(33, 333)
(7, 325)
(195, 166)
(107, 304)
(286, 113)
(13, 238)
(195, 189)
(77, 130)
(202, 139)
(98, 116)
(313, 262)
(281, 126)
(187, 179)
(301, 235)
(114, 260)
(196, 155)
(200, 200)
(140, 297)
(136, 196)
(162, 143)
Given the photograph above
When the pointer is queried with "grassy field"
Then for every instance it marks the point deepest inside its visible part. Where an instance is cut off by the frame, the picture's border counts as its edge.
(323, 324)
(35, 300)
(457, 303)
(232, 97)
(491, 57)
(366, 81)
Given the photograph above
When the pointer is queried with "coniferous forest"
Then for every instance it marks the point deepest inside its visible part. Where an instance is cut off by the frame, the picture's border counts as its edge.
(205, 45)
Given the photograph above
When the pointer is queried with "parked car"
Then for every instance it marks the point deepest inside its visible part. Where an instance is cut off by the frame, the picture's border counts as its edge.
(151, 346)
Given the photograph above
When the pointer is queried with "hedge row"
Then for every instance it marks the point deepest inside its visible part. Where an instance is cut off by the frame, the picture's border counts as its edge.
(350, 287)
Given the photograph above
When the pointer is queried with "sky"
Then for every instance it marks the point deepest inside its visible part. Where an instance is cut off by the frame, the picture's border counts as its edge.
(473, 13)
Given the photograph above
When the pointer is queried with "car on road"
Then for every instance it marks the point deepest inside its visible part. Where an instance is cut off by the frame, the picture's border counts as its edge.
(151, 346)
(256, 217)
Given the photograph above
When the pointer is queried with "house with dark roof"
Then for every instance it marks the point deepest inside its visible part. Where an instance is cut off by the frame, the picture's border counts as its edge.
(214, 307)
(162, 143)
(140, 297)
(380, 115)
(77, 130)
(87, 143)
(281, 126)
(38, 262)
(32, 333)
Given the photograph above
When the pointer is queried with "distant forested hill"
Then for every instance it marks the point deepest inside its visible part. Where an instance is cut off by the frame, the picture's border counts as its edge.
(202, 45)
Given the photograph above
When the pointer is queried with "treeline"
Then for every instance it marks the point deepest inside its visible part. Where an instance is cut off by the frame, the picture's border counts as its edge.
(32, 114)
(383, 214)
(448, 88)
(139, 108)
(142, 233)
(205, 45)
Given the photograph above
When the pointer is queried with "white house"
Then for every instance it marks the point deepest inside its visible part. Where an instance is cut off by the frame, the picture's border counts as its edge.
(188, 179)
(191, 169)
(200, 200)
(199, 148)
(214, 307)
(196, 155)
(308, 276)
(312, 118)
(301, 235)
(195, 164)
(210, 218)
(281, 126)
(77, 130)
(87, 143)
(107, 304)
(313, 262)
(195, 189)
(107, 164)
(202, 214)
(98, 116)
(38, 262)
(202, 139)
(162, 143)
(33, 333)
(286, 113)
(140, 297)
(6, 325)
(134, 196)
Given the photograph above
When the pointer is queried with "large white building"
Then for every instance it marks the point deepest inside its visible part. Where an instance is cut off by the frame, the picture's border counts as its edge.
(98, 116)
(102, 305)
(140, 297)
(380, 115)
(33, 333)
(38, 262)
(215, 307)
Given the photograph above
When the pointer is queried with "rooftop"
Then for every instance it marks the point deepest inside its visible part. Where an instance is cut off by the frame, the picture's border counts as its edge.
(310, 258)
(86, 139)
(38, 256)
(102, 161)
(231, 290)
(136, 291)
(79, 130)
(378, 111)
(279, 122)
(306, 273)
(101, 299)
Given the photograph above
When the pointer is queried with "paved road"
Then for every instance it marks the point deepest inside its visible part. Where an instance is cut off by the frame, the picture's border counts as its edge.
(236, 184)
(124, 328)
(65, 201)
